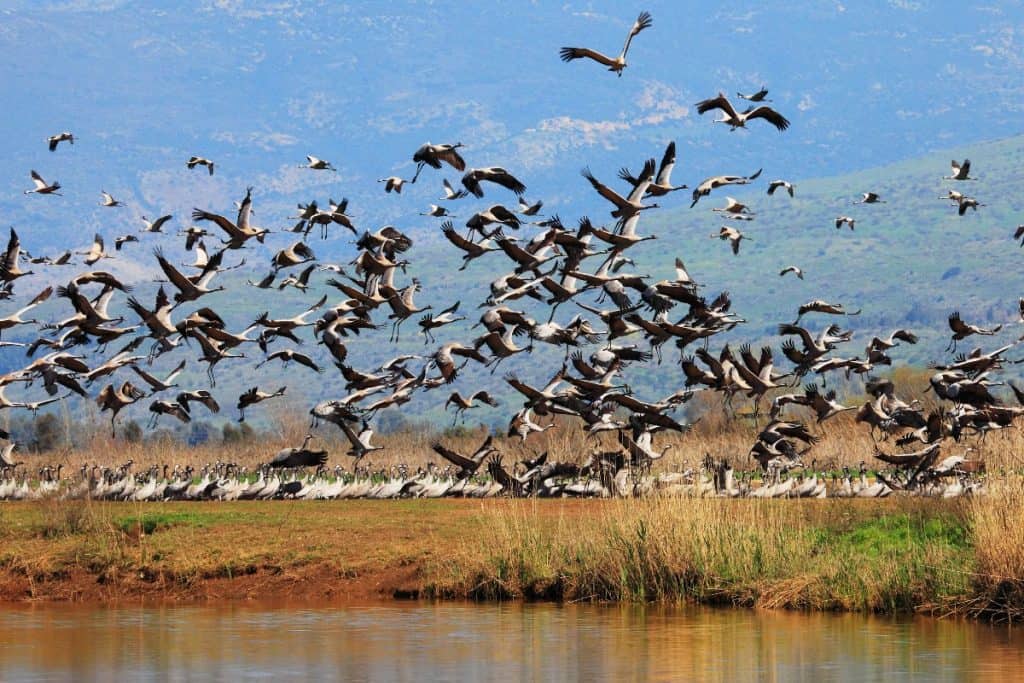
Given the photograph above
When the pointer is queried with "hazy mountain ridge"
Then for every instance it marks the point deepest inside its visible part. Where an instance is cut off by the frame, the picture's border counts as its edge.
(256, 86)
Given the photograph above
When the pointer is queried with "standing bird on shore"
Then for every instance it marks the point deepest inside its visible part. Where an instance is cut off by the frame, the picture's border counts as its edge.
(735, 119)
(617, 64)
(41, 186)
(55, 140)
(200, 161)
(959, 171)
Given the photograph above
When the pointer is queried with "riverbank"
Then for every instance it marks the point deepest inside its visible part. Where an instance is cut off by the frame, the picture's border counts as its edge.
(897, 554)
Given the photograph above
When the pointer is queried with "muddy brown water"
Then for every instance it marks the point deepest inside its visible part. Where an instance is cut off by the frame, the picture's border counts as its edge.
(461, 642)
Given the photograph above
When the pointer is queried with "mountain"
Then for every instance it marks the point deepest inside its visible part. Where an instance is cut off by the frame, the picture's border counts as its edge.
(880, 99)
(257, 84)
(909, 263)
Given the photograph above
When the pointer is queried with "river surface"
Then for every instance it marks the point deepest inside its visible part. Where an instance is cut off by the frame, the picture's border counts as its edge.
(465, 642)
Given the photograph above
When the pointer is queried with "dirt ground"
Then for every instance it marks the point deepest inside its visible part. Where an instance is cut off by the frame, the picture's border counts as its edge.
(302, 550)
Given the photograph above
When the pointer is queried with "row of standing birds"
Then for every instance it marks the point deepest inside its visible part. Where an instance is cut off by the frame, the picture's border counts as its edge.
(597, 477)
(548, 270)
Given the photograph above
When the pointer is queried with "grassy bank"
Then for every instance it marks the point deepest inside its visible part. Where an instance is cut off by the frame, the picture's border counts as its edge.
(963, 557)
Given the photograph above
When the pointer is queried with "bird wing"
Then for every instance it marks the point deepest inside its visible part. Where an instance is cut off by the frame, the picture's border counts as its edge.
(957, 324)
(483, 397)
(499, 175)
(504, 215)
(454, 458)
(570, 53)
(720, 102)
(177, 279)
(245, 211)
(305, 360)
(804, 335)
(668, 162)
(458, 240)
(603, 190)
(10, 259)
(451, 156)
(223, 223)
(643, 21)
(96, 250)
(149, 379)
(770, 115)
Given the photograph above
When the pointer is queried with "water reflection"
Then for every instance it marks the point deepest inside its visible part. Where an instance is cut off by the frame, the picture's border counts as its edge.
(399, 642)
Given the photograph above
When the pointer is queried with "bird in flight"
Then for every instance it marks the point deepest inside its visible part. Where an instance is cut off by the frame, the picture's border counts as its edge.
(735, 119)
(55, 140)
(616, 64)
(760, 96)
(200, 161)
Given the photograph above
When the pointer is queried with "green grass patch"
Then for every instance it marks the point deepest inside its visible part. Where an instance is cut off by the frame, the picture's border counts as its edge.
(896, 535)
(151, 522)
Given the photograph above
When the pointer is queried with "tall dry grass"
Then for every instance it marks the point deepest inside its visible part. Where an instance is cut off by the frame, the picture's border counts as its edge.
(850, 555)
(716, 431)
(997, 526)
(843, 443)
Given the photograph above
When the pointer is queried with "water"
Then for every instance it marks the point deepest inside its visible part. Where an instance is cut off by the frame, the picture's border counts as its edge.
(417, 642)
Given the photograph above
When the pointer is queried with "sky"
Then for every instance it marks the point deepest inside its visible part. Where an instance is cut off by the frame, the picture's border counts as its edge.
(256, 85)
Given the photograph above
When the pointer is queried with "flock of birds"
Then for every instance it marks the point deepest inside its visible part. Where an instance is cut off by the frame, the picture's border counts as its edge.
(612, 308)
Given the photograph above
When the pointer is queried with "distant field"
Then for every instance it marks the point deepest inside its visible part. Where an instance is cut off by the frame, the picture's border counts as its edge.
(843, 442)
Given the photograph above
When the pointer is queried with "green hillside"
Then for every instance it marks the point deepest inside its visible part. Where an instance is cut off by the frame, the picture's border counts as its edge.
(909, 263)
